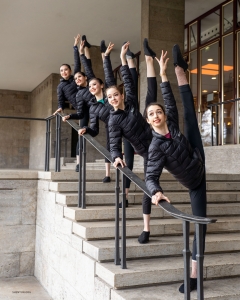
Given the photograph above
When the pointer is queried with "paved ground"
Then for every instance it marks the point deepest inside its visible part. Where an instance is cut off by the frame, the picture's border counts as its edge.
(22, 288)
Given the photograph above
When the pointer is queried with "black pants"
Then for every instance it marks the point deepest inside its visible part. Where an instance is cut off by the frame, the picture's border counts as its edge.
(198, 196)
(150, 97)
(83, 122)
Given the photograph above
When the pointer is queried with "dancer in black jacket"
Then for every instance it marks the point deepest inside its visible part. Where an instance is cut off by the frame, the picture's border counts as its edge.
(182, 155)
(126, 121)
(67, 88)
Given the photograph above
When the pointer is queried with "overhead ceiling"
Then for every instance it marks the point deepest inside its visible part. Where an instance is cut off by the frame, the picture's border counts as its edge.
(37, 35)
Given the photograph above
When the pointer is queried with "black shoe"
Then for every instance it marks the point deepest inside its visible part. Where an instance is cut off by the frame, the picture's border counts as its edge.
(77, 168)
(106, 179)
(144, 237)
(126, 205)
(103, 46)
(129, 54)
(147, 50)
(178, 60)
(193, 285)
(86, 44)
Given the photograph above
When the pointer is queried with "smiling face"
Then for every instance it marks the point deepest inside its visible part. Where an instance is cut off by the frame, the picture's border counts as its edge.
(95, 87)
(65, 72)
(80, 79)
(156, 116)
(115, 98)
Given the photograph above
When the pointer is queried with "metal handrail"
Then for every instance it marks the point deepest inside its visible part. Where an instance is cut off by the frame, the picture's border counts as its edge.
(168, 207)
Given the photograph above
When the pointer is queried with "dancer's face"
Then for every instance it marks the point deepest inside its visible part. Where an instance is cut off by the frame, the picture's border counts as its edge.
(115, 98)
(65, 72)
(95, 88)
(80, 79)
(156, 116)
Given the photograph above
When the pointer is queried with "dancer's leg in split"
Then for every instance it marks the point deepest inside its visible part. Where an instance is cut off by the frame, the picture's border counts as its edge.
(198, 195)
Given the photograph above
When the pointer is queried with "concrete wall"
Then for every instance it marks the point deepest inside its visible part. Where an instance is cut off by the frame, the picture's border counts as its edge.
(18, 195)
(14, 134)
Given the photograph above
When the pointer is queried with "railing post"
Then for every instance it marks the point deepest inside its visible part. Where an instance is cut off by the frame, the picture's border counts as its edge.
(47, 150)
(84, 173)
(186, 257)
(199, 256)
(80, 171)
(117, 189)
(123, 256)
(58, 143)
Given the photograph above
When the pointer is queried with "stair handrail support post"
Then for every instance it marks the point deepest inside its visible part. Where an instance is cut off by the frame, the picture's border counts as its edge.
(80, 138)
(83, 173)
(58, 144)
(47, 150)
(200, 257)
(123, 256)
(186, 258)
(117, 191)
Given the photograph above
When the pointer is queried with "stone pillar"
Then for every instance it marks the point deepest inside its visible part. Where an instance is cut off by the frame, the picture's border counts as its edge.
(162, 22)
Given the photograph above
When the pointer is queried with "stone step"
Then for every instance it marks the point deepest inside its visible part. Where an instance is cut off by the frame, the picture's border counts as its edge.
(103, 250)
(224, 289)
(167, 186)
(94, 213)
(159, 227)
(165, 270)
(136, 198)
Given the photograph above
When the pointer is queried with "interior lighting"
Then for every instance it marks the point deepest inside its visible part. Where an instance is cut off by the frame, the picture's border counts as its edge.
(210, 59)
(211, 69)
(204, 91)
(214, 77)
(215, 91)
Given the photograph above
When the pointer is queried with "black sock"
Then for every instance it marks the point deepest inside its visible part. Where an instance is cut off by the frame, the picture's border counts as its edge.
(129, 53)
(103, 46)
(178, 60)
(144, 237)
(193, 285)
(86, 44)
(147, 50)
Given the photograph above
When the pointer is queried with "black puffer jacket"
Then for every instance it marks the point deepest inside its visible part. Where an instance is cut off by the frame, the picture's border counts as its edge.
(128, 123)
(85, 98)
(174, 154)
(67, 89)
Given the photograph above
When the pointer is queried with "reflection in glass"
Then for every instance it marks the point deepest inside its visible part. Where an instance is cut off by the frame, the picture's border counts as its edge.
(228, 121)
(210, 27)
(193, 36)
(227, 17)
(228, 84)
(193, 75)
(185, 39)
(209, 93)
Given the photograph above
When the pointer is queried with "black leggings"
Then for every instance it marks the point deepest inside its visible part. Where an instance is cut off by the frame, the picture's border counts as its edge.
(198, 196)
(150, 97)
(83, 122)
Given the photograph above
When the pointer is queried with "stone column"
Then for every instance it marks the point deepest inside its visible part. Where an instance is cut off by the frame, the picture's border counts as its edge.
(163, 24)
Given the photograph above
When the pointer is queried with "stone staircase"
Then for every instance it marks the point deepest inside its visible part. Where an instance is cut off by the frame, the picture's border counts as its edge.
(154, 270)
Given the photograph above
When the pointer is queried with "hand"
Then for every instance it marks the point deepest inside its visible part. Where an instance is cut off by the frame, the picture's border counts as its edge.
(109, 49)
(57, 111)
(118, 161)
(82, 131)
(81, 47)
(163, 61)
(124, 49)
(159, 196)
(65, 118)
(77, 40)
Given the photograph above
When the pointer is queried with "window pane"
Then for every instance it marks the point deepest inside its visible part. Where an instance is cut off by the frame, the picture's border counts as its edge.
(185, 39)
(227, 17)
(210, 27)
(228, 84)
(209, 93)
(193, 75)
(193, 36)
(228, 123)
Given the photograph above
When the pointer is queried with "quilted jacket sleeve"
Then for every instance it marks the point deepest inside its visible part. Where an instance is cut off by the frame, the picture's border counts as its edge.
(77, 63)
(108, 72)
(115, 139)
(128, 85)
(170, 103)
(61, 97)
(93, 128)
(156, 160)
(87, 66)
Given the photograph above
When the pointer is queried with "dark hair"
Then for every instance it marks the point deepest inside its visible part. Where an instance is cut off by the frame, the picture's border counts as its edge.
(80, 72)
(150, 104)
(67, 65)
(117, 87)
(96, 78)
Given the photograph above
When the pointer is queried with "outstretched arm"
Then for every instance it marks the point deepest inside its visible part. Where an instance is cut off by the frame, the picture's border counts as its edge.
(107, 67)
(77, 64)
